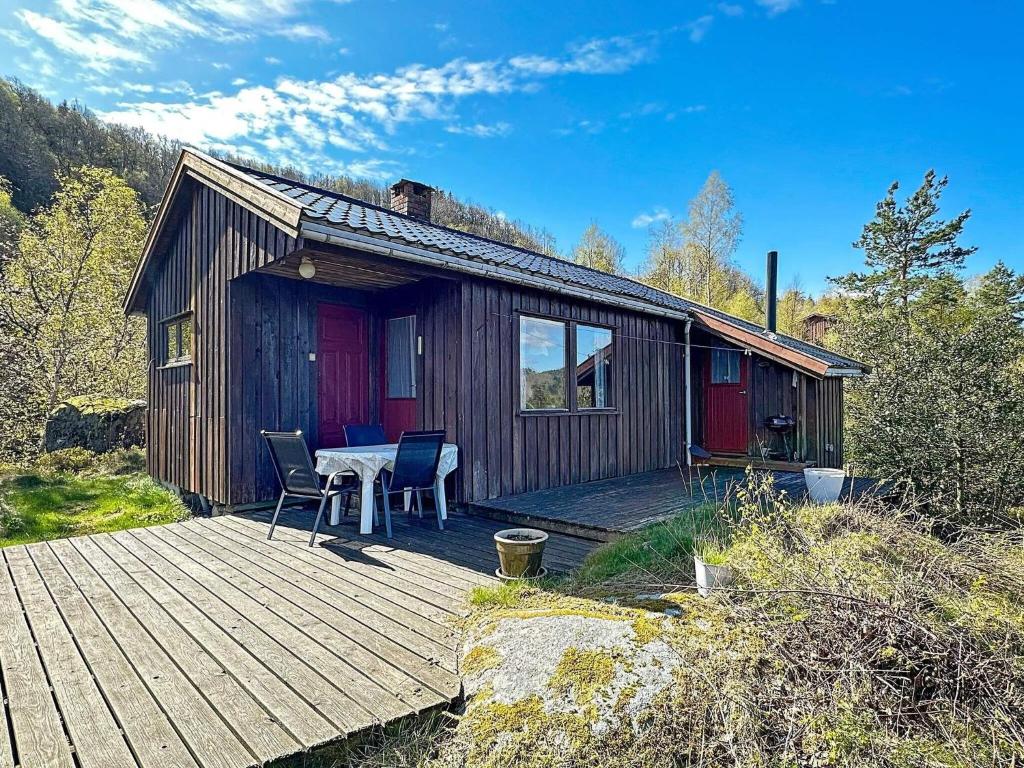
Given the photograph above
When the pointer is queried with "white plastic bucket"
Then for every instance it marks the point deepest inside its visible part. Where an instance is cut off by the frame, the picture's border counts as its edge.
(711, 577)
(824, 485)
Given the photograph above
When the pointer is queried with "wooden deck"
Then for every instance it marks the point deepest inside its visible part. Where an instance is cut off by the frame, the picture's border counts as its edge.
(201, 644)
(607, 509)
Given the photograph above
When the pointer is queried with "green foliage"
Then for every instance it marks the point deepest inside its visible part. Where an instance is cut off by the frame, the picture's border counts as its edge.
(61, 323)
(944, 408)
(66, 460)
(599, 250)
(693, 258)
(508, 594)
(658, 549)
(39, 505)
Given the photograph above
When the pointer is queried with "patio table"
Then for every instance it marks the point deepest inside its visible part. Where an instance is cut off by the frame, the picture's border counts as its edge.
(367, 461)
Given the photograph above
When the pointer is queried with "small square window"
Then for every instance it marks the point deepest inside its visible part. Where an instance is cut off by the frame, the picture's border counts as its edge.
(178, 340)
(725, 366)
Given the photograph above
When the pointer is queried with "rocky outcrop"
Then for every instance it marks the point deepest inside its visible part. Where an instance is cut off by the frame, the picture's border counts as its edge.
(98, 424)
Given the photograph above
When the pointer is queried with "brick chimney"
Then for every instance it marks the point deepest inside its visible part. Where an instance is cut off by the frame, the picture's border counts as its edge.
(412, 199)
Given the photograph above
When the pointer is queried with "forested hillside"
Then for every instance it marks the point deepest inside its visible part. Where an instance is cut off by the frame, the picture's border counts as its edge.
(40, 140)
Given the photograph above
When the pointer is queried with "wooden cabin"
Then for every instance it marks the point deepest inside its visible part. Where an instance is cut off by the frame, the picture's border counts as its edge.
(276, 305)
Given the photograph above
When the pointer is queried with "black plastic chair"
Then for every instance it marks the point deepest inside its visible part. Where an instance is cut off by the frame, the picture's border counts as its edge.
(364, 434)
(415, 471)
(299, 479)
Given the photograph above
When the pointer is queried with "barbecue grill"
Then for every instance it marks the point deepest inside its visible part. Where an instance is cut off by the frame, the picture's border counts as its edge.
(780, 427)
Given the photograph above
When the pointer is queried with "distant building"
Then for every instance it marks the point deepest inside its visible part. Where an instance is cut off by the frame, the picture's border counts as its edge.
(815, 326)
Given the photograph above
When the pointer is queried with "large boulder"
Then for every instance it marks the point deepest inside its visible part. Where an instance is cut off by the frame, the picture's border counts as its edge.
(96, 423)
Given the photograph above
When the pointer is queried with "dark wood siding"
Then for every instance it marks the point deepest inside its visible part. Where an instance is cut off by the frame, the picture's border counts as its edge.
(273, 380)
(825, 422)
(503, 451)
(189, 408)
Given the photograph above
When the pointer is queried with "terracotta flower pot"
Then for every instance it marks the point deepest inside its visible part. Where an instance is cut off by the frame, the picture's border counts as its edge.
(520, 552)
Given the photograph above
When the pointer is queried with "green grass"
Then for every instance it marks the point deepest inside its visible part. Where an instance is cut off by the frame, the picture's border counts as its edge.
(37, 505)
(665, 546)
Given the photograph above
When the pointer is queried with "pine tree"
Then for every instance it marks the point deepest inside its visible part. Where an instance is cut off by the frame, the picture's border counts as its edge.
(944, 406)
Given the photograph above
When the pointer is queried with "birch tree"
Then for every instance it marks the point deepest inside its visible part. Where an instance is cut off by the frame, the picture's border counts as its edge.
(599, 250)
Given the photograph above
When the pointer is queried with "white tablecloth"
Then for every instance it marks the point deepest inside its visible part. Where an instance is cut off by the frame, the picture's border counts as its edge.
(367, 461)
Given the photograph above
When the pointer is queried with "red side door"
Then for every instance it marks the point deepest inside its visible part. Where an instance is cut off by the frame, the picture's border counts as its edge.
(726, 410)
(343, 387)
(399, 371)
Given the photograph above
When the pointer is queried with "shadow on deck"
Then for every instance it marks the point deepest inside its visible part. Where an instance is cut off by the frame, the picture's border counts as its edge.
(203, 645)
(604, 510)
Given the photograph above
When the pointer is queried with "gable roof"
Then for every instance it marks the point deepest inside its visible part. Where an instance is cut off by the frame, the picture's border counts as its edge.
(329, 216)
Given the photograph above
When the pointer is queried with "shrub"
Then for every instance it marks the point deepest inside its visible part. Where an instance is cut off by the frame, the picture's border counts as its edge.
(66, 460)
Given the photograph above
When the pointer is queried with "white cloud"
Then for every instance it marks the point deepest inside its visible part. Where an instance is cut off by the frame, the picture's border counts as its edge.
(301, 32)
(104, 34)
(699, 28)
(96, 51)
(480, 130)
(775, 7)
(731, 9)
(645, 219)
(594, 57)
(300, 121)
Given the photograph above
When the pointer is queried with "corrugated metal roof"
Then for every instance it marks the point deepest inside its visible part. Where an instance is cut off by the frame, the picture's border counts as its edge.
(335, 209)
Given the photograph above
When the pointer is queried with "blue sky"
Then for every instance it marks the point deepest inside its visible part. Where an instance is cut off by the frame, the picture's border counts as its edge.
(560, 113)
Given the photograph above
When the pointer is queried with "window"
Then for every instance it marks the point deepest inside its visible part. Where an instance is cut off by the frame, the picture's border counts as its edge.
(401, 360)
(593, 367)
(542, 356)
(178, 340)
(725, 366)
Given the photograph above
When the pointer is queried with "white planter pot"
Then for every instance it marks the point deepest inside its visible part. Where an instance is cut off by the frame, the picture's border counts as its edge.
(824, 485)
(711, 577)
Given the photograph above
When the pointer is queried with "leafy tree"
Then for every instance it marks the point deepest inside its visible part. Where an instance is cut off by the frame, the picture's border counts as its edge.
(944, 407)
(794, 305)
(711, 233)
(61, 293)
(599, 250)
(743, 303)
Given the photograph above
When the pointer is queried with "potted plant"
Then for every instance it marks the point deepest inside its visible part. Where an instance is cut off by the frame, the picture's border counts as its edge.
(520, 552)
(710, 565)
(824, 485)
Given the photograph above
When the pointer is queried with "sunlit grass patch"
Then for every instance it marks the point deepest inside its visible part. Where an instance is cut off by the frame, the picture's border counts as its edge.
(38, 506)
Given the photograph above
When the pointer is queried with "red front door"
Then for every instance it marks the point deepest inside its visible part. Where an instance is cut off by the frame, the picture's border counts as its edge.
(726, 413)
(343, 387)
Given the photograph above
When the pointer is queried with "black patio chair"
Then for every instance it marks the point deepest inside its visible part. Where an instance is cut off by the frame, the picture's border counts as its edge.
(364, 434)
(299, 479)
(415, 471)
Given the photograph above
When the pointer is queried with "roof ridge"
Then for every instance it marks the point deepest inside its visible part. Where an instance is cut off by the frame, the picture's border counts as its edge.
(665, 296)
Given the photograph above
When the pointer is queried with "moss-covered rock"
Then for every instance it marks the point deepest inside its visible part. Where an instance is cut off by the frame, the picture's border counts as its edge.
(95, 423)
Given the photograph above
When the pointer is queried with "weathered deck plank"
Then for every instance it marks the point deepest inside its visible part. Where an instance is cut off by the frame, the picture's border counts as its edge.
(298, 718)
(92, 727)
(203, 645)
(38, 734)
(203, 729)
(153, 739)
(608, 509)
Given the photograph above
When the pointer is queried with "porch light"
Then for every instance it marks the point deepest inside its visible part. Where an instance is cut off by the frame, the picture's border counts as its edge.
(307, 269)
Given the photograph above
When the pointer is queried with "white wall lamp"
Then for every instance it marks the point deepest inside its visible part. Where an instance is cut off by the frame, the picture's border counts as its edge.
(307, 269)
